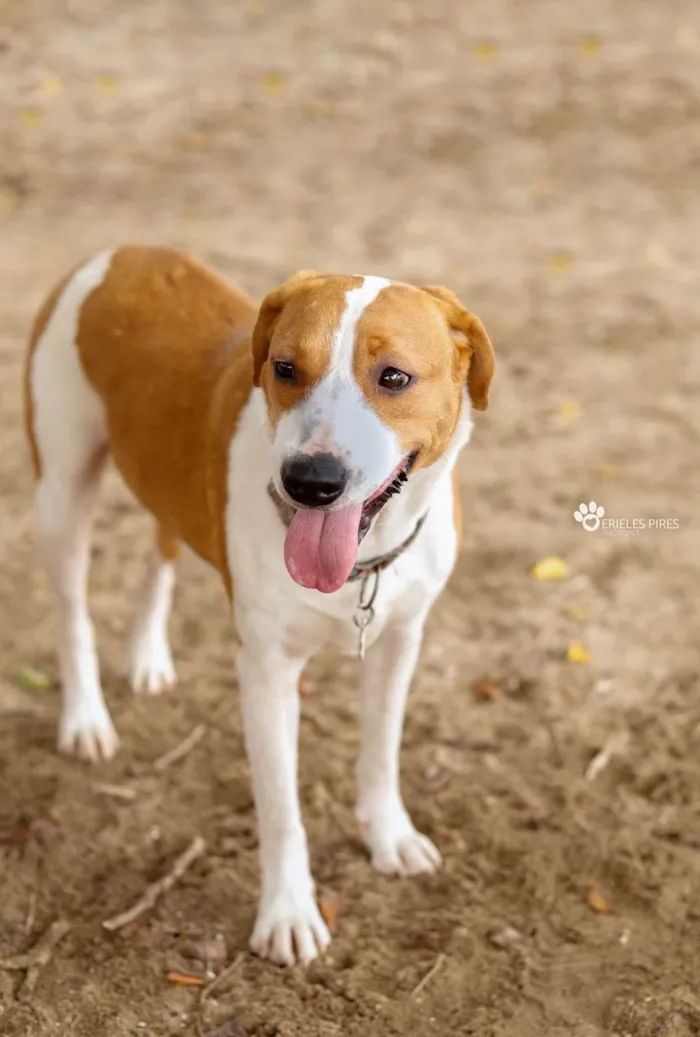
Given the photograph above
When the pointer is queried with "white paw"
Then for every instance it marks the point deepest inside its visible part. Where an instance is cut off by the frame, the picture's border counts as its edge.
(88, 733)
(397, 848)
(151, 665)
(410, 854)
(289, 929)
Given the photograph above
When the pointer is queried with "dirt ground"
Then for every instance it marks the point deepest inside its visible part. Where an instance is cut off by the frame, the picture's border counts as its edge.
(542, 159)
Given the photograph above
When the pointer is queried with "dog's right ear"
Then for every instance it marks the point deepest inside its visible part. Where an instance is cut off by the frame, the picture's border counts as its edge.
(270, 310)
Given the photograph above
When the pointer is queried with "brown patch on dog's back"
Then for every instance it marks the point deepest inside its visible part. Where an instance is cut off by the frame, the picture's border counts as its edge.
(166, 344)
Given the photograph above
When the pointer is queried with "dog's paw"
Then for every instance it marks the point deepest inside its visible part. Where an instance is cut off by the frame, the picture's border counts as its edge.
(395, 846)
(88, 733)
(408, 854)
(151, 668)
(289, 929)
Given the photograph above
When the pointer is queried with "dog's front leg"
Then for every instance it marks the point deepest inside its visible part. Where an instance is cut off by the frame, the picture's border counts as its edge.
(393, 841)
(289, 927)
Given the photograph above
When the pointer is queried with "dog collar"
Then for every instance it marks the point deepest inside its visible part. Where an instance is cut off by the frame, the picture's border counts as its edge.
(377, 565)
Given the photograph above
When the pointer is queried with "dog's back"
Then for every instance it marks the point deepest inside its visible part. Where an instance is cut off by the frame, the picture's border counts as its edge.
(126, 354)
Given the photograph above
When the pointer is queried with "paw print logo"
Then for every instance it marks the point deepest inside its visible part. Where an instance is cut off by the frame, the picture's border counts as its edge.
(589, 515)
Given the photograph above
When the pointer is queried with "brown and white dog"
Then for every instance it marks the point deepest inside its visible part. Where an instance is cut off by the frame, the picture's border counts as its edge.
(274, 443)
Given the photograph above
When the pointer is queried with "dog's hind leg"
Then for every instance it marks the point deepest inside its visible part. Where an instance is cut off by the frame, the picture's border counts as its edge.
(67, 431)
(150, 663)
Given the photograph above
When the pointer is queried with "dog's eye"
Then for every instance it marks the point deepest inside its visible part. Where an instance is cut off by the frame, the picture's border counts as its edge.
(284, 370)
(393, 379)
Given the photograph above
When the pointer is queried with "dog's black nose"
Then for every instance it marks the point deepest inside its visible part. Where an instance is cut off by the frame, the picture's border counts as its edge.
(314, 480)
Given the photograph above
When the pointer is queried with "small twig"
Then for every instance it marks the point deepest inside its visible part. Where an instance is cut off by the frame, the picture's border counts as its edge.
(601, 759)
(439, 962)
(206, 991)
(116, 791)
(156, 889)
(31, 912)
(195, 735)
(34, 960)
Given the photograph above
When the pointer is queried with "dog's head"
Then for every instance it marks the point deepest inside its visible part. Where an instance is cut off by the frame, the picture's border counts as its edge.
(364, 381)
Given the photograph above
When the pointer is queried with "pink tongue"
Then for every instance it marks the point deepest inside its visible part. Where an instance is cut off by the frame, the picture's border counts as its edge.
(321, 547)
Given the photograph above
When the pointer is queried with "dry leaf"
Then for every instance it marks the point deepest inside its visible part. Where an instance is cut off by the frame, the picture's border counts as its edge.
(485, 51)
(607, 471)
(107, 83)
(321, 108)
(576, 653)
(597, 902)
(30, 679)
(32, 117)
(40, 828)
(550, 568)
(195, 142)
(9, 200)
(184, 979)
(14, 836)
(51, 85)
(487, 690)
(576, 611)
(329, 913)
(542, 187)
(559, 264)
(590, 47)
(211, 953)
(273, 83)
(568, 411)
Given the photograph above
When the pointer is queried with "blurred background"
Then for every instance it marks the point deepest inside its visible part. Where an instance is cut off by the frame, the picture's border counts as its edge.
(542, 159)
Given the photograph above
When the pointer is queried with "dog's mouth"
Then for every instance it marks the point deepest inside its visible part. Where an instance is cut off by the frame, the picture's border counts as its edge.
(320, 549)
(393, 485)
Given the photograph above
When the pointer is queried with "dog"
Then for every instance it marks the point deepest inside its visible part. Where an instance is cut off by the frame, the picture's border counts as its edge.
(306, 449)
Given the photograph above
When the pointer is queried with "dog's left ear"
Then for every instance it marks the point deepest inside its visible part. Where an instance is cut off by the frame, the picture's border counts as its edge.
(270, 310)
(468, 333)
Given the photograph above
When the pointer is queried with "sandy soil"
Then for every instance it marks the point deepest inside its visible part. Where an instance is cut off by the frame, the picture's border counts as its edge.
(542, 159)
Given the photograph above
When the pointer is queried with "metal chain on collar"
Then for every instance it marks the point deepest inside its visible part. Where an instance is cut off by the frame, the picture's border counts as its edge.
(364, 613)
(369, 572)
